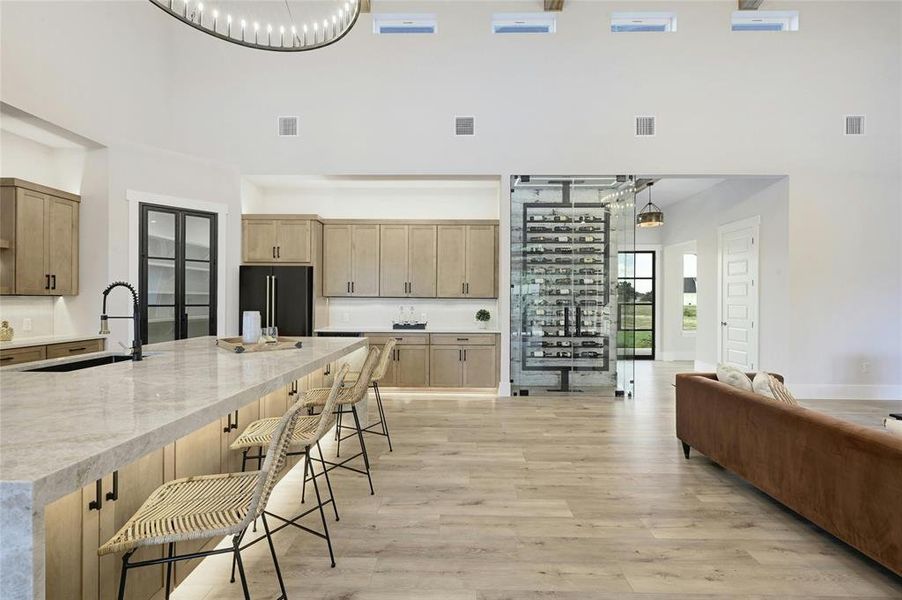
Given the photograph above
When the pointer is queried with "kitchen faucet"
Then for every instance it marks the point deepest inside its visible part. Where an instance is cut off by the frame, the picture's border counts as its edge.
(136, 315)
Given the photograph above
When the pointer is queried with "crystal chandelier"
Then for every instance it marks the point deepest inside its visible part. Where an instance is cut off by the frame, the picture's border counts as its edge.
(268, 29)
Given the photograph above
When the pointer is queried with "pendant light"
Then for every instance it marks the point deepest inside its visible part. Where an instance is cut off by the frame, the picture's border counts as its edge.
(650, 215)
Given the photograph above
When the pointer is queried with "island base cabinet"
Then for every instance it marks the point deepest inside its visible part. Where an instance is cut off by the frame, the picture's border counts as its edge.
(71, 539)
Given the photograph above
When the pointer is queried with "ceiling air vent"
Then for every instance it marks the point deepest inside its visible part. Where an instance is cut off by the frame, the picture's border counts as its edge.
(854, 125)
(523, 23)
(404, 23)
(645, 126)
(288, 126)
(464, 126)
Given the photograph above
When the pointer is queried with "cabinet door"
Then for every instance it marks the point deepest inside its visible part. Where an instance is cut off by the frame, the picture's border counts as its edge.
(445, 366)
(293, 241)
(71, 539)
(480, 277)
(231, 459)
(136, 482)
(365, 260)
(479, 367)
(336, 260)
(31, 244)
(451, 261)
(412, 366)
(22, 355)
(197, 453)
(259, 240)
(274, 404)
(393, 260)
(421, 261)
(62, 246)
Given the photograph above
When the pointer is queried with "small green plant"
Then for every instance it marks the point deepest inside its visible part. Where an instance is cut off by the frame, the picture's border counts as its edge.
(483, 315)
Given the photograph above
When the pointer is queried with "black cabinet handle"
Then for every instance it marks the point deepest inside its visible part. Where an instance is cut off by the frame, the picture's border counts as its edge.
(47, 285)
(463, 339)
(53, 285)
(348, 286)
(97, 502)
(235, 424)
(77, 349)
(278, 251)
(352, 287)
(114, 493)
(228, 427)
(460, 354)
(463, 288)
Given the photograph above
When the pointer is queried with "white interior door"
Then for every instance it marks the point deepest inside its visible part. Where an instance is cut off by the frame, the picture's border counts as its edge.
(737, 251)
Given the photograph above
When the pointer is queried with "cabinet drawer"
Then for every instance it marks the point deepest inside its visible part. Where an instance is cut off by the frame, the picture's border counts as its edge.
(379, 339)
(463, 339)
(74, 348)
(22, 355)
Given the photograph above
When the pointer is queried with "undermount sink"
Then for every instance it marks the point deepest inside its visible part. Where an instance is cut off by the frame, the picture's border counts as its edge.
(77, 365)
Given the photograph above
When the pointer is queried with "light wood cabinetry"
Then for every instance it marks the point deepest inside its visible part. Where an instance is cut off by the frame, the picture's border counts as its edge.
(38, 240)
(271, 240)
(407, 367)
(22, 355)
(15, 356)
(70, 547)
(407, 261)
(467, 261)
(469, 361)
(351, 260)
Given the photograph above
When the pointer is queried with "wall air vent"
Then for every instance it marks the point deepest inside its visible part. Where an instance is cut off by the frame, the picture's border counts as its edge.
(288, 127)
(627, 22)
(394, 23)
(854, 125)
(645, 126)
(464, 126)
(523, 23)
(765, 20)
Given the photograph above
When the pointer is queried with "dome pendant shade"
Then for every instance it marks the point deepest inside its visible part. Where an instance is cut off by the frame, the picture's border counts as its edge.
(650, 215)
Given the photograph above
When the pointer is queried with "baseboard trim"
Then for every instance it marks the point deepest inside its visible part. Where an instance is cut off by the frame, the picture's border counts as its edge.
(815, 391)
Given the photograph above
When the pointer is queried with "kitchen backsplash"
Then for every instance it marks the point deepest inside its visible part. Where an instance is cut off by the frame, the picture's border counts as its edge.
(351, 312)
(19, 309)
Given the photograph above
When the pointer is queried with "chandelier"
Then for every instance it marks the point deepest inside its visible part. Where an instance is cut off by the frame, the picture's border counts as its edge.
(272, 26)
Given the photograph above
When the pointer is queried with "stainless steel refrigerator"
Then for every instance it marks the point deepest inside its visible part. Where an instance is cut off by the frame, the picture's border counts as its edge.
(283, 295)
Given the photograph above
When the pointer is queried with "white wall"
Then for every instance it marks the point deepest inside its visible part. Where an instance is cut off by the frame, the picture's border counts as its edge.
(697, 218)
(676, 344)
(727, 103)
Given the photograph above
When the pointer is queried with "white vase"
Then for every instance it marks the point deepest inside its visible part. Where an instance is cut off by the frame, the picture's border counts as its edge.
(481, 324)
(250, 326)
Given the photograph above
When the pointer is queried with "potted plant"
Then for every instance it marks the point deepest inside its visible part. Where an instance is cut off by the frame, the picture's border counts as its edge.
(482, 318)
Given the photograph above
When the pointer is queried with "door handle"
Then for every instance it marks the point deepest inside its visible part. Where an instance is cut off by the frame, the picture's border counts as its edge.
(53, 285)
(113, 494)
(47, 285)
(97, 502)
(723, 323)
(278, 251)
(273, 296)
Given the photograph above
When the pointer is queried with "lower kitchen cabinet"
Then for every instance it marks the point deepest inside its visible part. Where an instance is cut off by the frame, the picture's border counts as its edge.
(71, 534)
(445, 366)
(412, 366)
(479, 367)
(469, 362)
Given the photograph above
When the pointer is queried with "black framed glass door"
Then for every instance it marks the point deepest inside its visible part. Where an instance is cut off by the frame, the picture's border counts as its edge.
(636, 299)
(177, 273)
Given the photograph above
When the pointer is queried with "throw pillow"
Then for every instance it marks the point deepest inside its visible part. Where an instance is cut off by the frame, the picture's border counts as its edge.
(780, 392)
(893, 425)
(761, 385)
(734, 377)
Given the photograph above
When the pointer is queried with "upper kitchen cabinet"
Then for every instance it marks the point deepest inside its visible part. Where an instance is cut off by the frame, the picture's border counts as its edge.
(276, 239)
(467, 261)
(38, 240)
(351, 260)
(407, 261)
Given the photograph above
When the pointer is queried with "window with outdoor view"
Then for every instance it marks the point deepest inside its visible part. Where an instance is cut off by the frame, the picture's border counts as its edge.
(690, 295)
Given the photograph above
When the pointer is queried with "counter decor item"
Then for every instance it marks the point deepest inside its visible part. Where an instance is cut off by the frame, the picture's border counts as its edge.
(6, 332)
(250, 326)
(482, 318)
(238, 345)
(420, 326)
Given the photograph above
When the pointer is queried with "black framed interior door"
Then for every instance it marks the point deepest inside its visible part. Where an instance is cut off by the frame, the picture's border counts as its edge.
(177, 290)
(636, 297)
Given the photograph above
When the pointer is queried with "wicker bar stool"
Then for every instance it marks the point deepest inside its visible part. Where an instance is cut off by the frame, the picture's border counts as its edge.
(206, 507)
(346, 403)
(379, 373)
(308, 431)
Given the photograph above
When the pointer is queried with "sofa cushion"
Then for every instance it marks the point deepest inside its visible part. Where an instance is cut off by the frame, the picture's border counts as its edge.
(761, 384)
(893, 425)
(780, 392)
(734, 377)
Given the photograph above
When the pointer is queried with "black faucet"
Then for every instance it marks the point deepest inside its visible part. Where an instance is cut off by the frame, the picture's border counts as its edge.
(136, 315)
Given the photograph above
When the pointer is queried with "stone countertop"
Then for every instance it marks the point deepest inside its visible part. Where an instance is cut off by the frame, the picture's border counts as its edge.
(468, 329)
(47, 339)
(61, 431)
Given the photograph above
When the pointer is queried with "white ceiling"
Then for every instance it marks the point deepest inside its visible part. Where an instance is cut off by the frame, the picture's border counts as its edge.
(670, 190)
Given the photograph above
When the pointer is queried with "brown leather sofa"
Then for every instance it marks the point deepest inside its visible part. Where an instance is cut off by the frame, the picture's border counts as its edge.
(843, 477)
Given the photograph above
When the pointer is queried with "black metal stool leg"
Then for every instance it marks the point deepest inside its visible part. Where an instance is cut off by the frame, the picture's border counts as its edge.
(123, 574)
(169, 571)
(366, 460)
(328, 482)
(382, 414)
(322, 513)
(304, 481)
(237, 551)
(275, 560)
(338, 431)
(244, 460)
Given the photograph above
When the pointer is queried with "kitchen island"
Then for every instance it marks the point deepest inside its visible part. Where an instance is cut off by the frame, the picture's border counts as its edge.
(62, 432)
